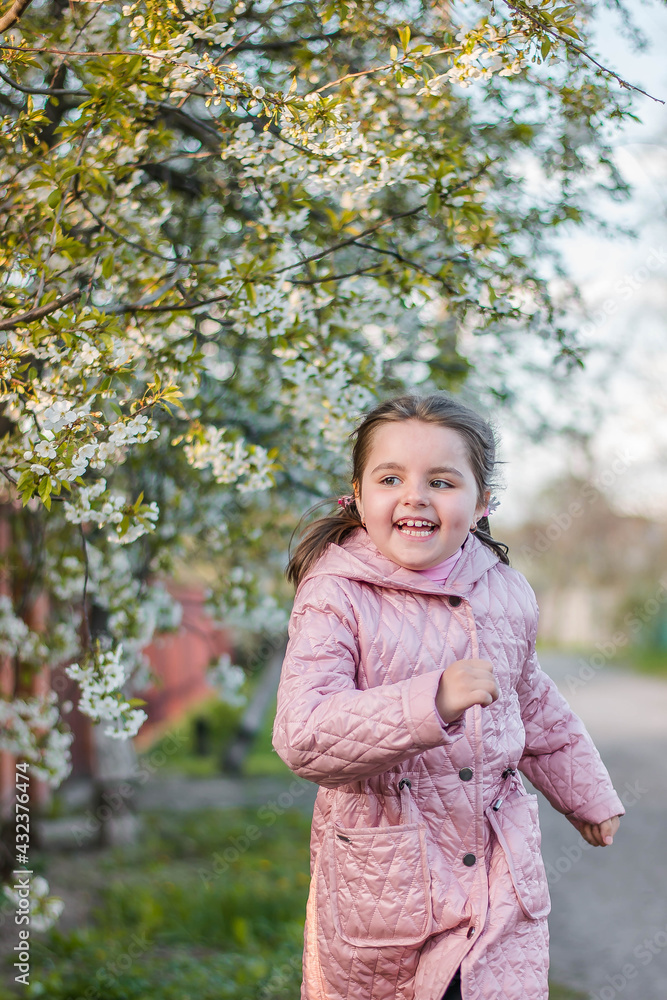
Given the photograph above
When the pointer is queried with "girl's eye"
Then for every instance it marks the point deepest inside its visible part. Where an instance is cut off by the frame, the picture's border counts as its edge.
(442, 482)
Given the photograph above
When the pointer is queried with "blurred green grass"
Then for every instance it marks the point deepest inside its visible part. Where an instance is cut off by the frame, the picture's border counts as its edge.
(649, 660)
(262, 758)
(222, 721)
(208, 905)
(557, 992)
(176, 749)
(645, 660)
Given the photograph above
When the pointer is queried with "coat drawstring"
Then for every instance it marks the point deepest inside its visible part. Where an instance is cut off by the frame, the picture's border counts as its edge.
(506, 774)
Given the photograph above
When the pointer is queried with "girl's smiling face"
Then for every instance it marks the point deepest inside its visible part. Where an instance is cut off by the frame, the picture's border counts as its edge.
(418, 471)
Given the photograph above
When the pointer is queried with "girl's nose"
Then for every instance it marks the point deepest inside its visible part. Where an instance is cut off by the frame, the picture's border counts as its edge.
(414, 496)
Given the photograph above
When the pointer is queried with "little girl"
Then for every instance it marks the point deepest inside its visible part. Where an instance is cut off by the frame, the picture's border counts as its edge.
(412, 694)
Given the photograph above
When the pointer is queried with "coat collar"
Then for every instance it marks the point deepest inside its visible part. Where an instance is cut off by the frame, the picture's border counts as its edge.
(358, 558)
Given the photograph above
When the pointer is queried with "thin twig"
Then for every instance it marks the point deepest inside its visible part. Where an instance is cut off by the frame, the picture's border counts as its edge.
(8, 476)
(334, 277)
(524, 11)
(69, 52)
(129, 307)
(379, 69)
(34, 314)
(50, 91)
(352, 239)
(131, 243)
(410, 263)
(14, 14)
(84, 599)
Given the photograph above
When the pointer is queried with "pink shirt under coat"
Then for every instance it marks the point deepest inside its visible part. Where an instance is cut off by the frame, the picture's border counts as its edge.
(440, 572)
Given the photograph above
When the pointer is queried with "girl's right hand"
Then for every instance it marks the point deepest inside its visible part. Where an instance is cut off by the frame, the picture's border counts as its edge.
(463, 684)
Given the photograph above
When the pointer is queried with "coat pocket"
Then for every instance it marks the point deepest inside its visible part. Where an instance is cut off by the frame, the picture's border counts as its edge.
(379, 884)
(517, 827)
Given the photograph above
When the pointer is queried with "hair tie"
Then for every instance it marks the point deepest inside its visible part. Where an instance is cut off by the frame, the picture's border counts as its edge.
(346, 501)
(492, 505)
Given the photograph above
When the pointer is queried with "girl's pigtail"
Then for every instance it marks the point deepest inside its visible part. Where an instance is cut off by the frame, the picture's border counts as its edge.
(483, 532)
(321, 533)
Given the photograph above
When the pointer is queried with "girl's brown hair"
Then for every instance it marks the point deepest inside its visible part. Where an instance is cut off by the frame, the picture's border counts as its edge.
(438, 408)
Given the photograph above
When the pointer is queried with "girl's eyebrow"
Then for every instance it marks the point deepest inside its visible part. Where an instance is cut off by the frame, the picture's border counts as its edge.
(429, 472)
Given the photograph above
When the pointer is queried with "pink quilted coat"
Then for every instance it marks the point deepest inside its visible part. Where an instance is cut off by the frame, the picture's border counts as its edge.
(425, 844)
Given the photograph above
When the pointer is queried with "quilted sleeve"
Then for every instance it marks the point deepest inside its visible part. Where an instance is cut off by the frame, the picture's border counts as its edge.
(560, 758)
(328, 730)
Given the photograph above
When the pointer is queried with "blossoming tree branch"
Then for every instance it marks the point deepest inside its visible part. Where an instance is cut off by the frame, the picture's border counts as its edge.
(225, 227)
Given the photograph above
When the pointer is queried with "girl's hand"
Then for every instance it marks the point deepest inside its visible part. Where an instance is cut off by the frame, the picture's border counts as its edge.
(598, 834)
(463, 684)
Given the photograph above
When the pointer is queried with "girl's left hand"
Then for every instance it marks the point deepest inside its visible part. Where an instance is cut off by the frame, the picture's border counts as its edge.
(598, 834)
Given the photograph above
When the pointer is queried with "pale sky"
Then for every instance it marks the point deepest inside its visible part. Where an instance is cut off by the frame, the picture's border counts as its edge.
(622, 393)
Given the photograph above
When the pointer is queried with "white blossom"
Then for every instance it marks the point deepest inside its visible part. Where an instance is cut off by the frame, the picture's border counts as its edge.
(45, 910)
(248, 466)
(16, 638)
(100, 680)
(227, 679)
(31, 728)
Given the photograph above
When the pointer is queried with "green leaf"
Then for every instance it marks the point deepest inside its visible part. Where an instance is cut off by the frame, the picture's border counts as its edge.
(45, 488)
(404, 35)
(54, 198)
(172, 394)
(393, 53)
(26, 479)
(433, 203)
(134, 64)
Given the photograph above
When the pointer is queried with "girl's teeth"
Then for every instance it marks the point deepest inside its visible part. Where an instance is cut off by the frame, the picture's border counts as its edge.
(423, 529)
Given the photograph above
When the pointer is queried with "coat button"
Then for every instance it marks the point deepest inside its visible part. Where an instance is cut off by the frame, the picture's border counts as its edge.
(469, 860)
(454, 600)
(465, 774)
(471, 931)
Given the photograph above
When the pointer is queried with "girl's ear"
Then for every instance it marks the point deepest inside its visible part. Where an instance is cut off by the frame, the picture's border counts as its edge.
(357, 497)
(480, 508)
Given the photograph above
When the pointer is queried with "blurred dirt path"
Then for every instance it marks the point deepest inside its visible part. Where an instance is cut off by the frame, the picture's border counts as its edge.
(609, 905)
